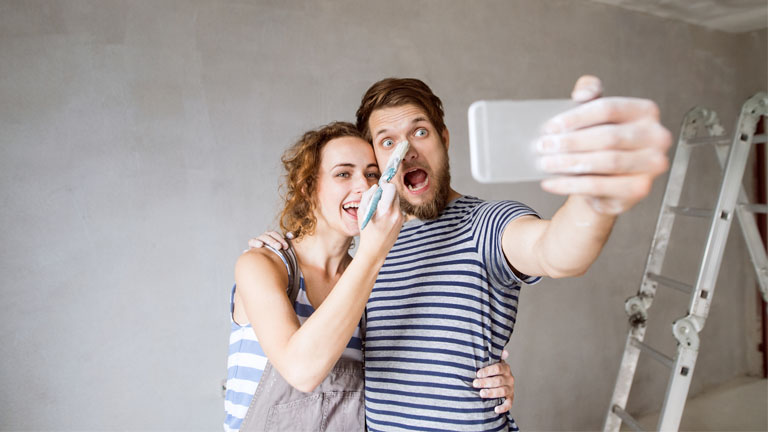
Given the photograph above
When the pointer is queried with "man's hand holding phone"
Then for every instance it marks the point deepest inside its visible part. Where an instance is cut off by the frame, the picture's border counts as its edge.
(608, 150)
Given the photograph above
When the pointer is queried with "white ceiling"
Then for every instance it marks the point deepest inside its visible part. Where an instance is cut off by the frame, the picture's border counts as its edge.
(734, 16)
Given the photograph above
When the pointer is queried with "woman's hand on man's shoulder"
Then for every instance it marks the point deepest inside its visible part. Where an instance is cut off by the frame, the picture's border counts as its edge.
(271, 238)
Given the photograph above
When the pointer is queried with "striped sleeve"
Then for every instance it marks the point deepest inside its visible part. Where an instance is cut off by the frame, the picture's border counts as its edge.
(489, 221)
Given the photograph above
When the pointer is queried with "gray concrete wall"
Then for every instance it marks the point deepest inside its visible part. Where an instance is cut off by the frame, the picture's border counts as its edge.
(139, 147)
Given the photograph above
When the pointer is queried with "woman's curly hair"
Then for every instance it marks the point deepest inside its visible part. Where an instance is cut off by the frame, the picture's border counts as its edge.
(302, 163)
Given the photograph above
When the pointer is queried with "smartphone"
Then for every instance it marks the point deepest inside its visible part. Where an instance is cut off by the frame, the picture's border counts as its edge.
(502, 136)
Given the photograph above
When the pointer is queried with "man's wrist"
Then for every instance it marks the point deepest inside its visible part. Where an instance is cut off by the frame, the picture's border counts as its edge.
(591, 211)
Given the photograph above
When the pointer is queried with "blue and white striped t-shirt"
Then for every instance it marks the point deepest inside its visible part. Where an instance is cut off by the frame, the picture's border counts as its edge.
(246, 361)
(443, 306)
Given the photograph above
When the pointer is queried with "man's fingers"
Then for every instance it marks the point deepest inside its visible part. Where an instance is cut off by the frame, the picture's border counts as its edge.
(602, 111)
(587, 87)
(606, 162)
(271, 241)
(278, 238)
(274, 239)
(609, 206)
(630, 187)
(504, 407)
(495, 392)
(494, 369)
(494, 381)
(631, 136)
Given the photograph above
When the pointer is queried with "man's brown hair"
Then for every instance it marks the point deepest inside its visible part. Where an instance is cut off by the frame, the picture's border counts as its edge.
(393, 92)
(302, 164)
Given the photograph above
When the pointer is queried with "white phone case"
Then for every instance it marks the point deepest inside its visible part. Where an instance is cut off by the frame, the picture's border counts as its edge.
(502, 135)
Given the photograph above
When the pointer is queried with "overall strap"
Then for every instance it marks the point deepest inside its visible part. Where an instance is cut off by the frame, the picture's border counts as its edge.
(292, 265)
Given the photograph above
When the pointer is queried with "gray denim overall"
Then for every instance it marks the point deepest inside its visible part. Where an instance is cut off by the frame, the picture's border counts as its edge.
(334, 405)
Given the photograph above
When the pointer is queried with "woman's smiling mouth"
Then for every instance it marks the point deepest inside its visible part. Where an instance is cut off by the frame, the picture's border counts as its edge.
(351, 208)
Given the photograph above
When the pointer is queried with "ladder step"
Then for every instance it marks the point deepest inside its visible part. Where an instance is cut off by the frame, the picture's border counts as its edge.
(724, 140)
(712, 140)
(680, 286)
(657, 355)
(691, 211)
(626, 418)
(755, 208)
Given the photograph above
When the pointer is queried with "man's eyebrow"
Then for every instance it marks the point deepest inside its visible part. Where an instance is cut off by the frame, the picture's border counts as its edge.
(414, 121)
(381, 131)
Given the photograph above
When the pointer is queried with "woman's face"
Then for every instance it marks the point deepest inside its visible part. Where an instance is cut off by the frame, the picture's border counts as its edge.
(347, 169)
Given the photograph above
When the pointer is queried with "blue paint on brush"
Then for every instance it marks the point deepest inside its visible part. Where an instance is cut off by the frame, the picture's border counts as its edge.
(389, 173)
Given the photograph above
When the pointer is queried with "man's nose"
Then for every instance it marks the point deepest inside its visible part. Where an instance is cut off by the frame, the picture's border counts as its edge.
(411, 153)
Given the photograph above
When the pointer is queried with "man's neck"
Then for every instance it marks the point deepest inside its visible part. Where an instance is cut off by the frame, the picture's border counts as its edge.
(453, 195)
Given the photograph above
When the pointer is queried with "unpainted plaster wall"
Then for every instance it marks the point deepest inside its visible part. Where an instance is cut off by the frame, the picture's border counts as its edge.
(139, 148)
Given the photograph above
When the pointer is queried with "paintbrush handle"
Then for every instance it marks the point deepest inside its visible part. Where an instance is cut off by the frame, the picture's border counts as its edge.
(371, 207)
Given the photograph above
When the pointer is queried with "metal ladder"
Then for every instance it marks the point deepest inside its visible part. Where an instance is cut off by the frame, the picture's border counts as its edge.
(700, 127)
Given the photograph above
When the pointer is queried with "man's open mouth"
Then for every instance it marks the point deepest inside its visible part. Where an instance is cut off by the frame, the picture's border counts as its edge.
(416, 180)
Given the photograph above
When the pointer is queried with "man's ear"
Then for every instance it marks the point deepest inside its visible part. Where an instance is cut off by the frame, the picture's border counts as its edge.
(446, 138)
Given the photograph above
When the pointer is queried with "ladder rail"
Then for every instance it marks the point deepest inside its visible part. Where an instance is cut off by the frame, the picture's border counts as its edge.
(695, 122)
(686, 330)
(719, 228)
(731, 200)
(751, 234)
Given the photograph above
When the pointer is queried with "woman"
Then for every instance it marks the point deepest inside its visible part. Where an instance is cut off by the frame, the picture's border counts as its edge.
(314, 341)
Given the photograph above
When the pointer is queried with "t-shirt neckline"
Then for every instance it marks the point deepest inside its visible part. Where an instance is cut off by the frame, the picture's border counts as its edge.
(417, 221)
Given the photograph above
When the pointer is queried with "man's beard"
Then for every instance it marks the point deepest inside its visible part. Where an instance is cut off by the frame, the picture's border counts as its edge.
(431, 210)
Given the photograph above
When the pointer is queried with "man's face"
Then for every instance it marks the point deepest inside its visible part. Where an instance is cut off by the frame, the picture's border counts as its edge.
(423, 181)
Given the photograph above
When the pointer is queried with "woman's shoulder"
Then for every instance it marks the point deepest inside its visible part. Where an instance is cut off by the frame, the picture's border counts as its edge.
(261, 264)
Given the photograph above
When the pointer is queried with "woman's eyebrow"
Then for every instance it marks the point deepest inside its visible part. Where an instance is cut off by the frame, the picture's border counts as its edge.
(344, 164)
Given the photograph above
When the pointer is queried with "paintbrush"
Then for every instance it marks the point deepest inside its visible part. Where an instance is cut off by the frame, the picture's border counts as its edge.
(389, 172)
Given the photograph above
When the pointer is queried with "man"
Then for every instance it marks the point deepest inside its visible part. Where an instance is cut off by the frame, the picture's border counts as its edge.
(445, 301)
